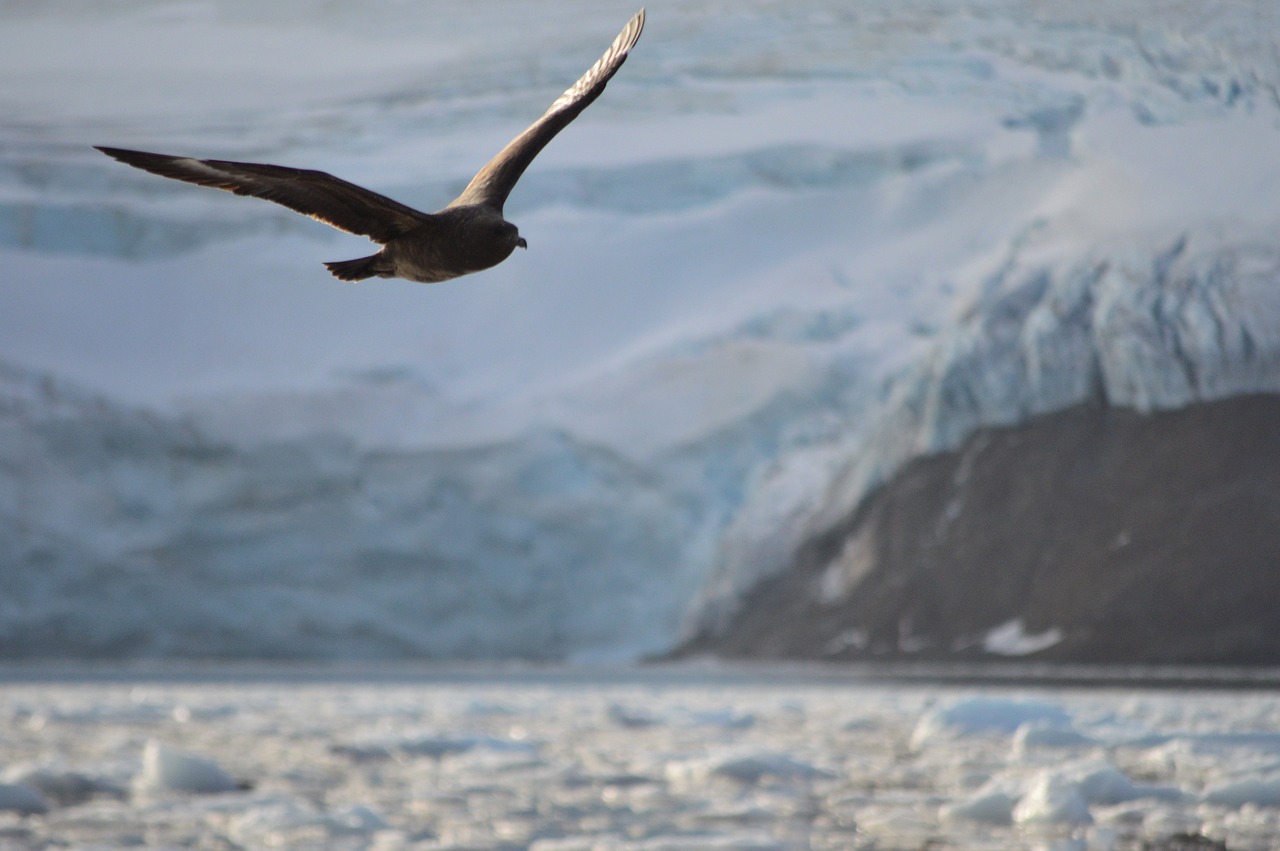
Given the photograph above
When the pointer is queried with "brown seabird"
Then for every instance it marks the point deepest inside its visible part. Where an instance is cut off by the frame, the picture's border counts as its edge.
(468, 235)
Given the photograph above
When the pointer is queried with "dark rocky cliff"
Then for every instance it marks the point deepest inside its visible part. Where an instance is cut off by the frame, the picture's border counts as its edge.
(1095, 534)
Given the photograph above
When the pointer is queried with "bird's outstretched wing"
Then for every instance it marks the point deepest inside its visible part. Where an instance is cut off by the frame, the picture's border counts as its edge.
(321, 196)
(494, 182)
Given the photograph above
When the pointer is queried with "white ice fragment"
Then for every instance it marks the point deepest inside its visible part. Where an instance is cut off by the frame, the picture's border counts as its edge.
(1012, 639)
(1098, 838)
(629, 717)
(988, 805)
(429, 745)
(725, 719)
(753, 767)
(1037, 735)
(683, 842)
(166, 769)
(292, 822)
(1103, 783)
(488, 709)
(185, 714)
(1052, 799)
(703, 842)
(574, 843)
(21, 798)
(985, 716)
(358, 819)
(63, 787)
(746, 768)
(436, 747)
(1259, 791)
(361, 752)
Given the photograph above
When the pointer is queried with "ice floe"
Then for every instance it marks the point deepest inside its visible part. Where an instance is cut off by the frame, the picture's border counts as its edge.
(824, 763)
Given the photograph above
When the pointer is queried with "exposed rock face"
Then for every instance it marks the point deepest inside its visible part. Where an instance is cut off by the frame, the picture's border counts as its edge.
(1141, 324)
(1095, 534)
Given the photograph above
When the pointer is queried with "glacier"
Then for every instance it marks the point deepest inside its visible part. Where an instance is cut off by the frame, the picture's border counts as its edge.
(789, 251)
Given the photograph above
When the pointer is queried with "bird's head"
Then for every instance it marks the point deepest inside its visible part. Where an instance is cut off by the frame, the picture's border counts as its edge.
(485, 240)
(507, 234)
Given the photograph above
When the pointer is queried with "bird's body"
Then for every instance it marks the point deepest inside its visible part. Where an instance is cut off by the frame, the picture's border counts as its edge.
(467, 236)
(453, 242)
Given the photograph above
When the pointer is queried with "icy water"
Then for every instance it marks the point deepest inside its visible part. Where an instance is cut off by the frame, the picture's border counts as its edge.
(651, 759)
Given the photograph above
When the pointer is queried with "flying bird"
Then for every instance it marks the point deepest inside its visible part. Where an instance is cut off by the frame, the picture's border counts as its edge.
(467, 236)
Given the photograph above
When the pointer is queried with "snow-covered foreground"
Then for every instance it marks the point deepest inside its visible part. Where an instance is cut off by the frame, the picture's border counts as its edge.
(650, 760)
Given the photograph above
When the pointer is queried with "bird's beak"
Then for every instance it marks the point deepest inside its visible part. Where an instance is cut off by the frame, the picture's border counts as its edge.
(520, 242)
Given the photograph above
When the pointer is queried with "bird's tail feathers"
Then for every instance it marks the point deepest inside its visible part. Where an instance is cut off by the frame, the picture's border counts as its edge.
(373, 266)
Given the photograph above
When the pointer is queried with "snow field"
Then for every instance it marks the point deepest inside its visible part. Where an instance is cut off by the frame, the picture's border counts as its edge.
(638, 762)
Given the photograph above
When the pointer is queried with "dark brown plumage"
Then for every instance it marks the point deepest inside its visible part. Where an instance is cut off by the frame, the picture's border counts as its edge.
(468, 235)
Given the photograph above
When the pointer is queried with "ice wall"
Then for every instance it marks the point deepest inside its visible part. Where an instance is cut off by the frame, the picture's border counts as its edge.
(128, 534)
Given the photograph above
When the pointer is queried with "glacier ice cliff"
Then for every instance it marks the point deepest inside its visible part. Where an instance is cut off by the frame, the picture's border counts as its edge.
(130, 534)
(1145, 328)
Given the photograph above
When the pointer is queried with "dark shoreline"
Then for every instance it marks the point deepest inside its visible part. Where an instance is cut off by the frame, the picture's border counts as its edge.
(764, 674)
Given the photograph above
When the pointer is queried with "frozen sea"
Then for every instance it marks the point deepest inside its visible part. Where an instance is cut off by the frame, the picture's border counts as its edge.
(556, 759)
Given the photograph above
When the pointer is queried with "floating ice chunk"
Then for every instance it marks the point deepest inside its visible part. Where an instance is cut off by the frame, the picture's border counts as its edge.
(290, 822)
(726, 719)
(747, 768)
(575, 843)
(358, 819)
(64, 787)
(496, 755)
(721, 842)
(753, 767)
(1259, 791)
(431, 746)
(21, 798)
(166, 769)
(489, 709)
(437, 747)
(724, 842)
(1099, 838)
(1052, 799)
(361, 752)
(185, 714)
(1037, 735)
(989, 805)
(1102, 783)
(985, 716)
(635, 719)
(1062, 794)
(1249, 754)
